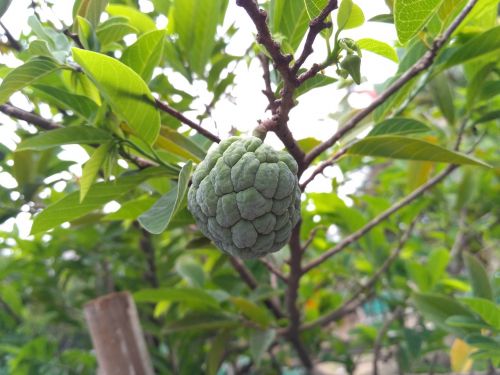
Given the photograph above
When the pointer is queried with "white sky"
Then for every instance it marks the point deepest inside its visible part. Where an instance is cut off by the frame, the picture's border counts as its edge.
(308, 119)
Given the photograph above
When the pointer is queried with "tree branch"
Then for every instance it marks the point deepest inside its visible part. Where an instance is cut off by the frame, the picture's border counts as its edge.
(29, 117)
(377, 348)
(259, 18)
(423, 63)
(273, 269)
(268, 91)
(12, 41)
(179, 116)
(315, 27)
(381, 217)
(293, 331)
(252, 284)
(320, 168)
(357, 297)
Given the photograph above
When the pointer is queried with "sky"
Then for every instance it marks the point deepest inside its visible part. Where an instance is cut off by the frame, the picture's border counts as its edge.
(246, 105)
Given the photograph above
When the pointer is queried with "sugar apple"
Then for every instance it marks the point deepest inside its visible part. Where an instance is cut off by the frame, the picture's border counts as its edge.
(245, 197)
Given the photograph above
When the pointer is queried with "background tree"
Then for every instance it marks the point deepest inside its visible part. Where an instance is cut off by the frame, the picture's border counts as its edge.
(402, 270)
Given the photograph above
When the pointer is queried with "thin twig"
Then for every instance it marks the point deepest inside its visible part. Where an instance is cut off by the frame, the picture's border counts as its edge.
(12, 41)
(312, 236)
(179, 116)
(322, 166)
(423, 63)
(379, 218)
(315, 27)
(29, 117)
(361, 295)
(273, 269)
(268, 91)
(377, 348)
(249, 279)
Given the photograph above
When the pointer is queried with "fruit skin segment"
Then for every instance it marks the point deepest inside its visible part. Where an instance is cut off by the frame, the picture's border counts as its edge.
(245, 197)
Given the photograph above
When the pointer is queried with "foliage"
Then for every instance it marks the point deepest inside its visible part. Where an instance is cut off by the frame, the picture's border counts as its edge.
(411, 270)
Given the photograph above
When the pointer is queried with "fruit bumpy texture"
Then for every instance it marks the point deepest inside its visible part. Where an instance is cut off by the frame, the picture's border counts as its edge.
(245, 197)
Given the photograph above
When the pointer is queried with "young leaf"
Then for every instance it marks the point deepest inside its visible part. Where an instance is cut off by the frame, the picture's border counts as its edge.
(91, 168)
(478, 276)
(378, 47)
(399, 147)
(69, 208)
(124, 89)
(314, 7)
(136, 19)
(157, 218)
(89, 9)
(145, 54)
(111, 31)
(443, 96)
(65, 136)
(349, 15)
(26, 74)
(399, 125)
(410, 16)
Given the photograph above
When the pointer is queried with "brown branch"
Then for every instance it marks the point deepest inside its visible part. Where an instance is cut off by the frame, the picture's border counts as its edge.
(249, 279)
(29, 117)
(423, 63)
(268, 91)
(377, 348)
(315, 27)
(321, 167)
(259, 18)
(12, 41)
(146, 245)
(179, 116)
(381, 217)
(312, 236)
(360, 295)
(273, 269)
(293, 331)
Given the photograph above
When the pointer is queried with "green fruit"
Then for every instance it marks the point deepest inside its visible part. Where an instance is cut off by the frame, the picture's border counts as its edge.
(245, 197)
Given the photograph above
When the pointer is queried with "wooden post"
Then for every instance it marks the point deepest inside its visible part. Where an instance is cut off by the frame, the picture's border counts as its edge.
(117, 335)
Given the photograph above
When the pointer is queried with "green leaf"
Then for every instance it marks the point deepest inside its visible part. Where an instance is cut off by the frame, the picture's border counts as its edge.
(384, 18)
(399, 147)
(378, 47)
(80, 104)
(91, 168)
(4, 5)
(438, 309)
(349, 15)
(410, 16)
(86, 33)
(191, 296)
(318, 80)
(112, 31)
(478, 276)
(216, 353)
(65, 136)
(476, 84)
(26, 74)
(127, 93)
(131, 210)
(191, 271)
(399, 125)
(69, 208)
(436, 264)
(294, 23)
(90, 10)
(157, 218)
(178, 144)
(465, 322)
(136, 19)
(145, 54)
(443, 96)
(483, 342)
(484, 43)
(201, 323)
(195, 22)
(486, 309)
(252, 311)
(314, 7)
(259, 343)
